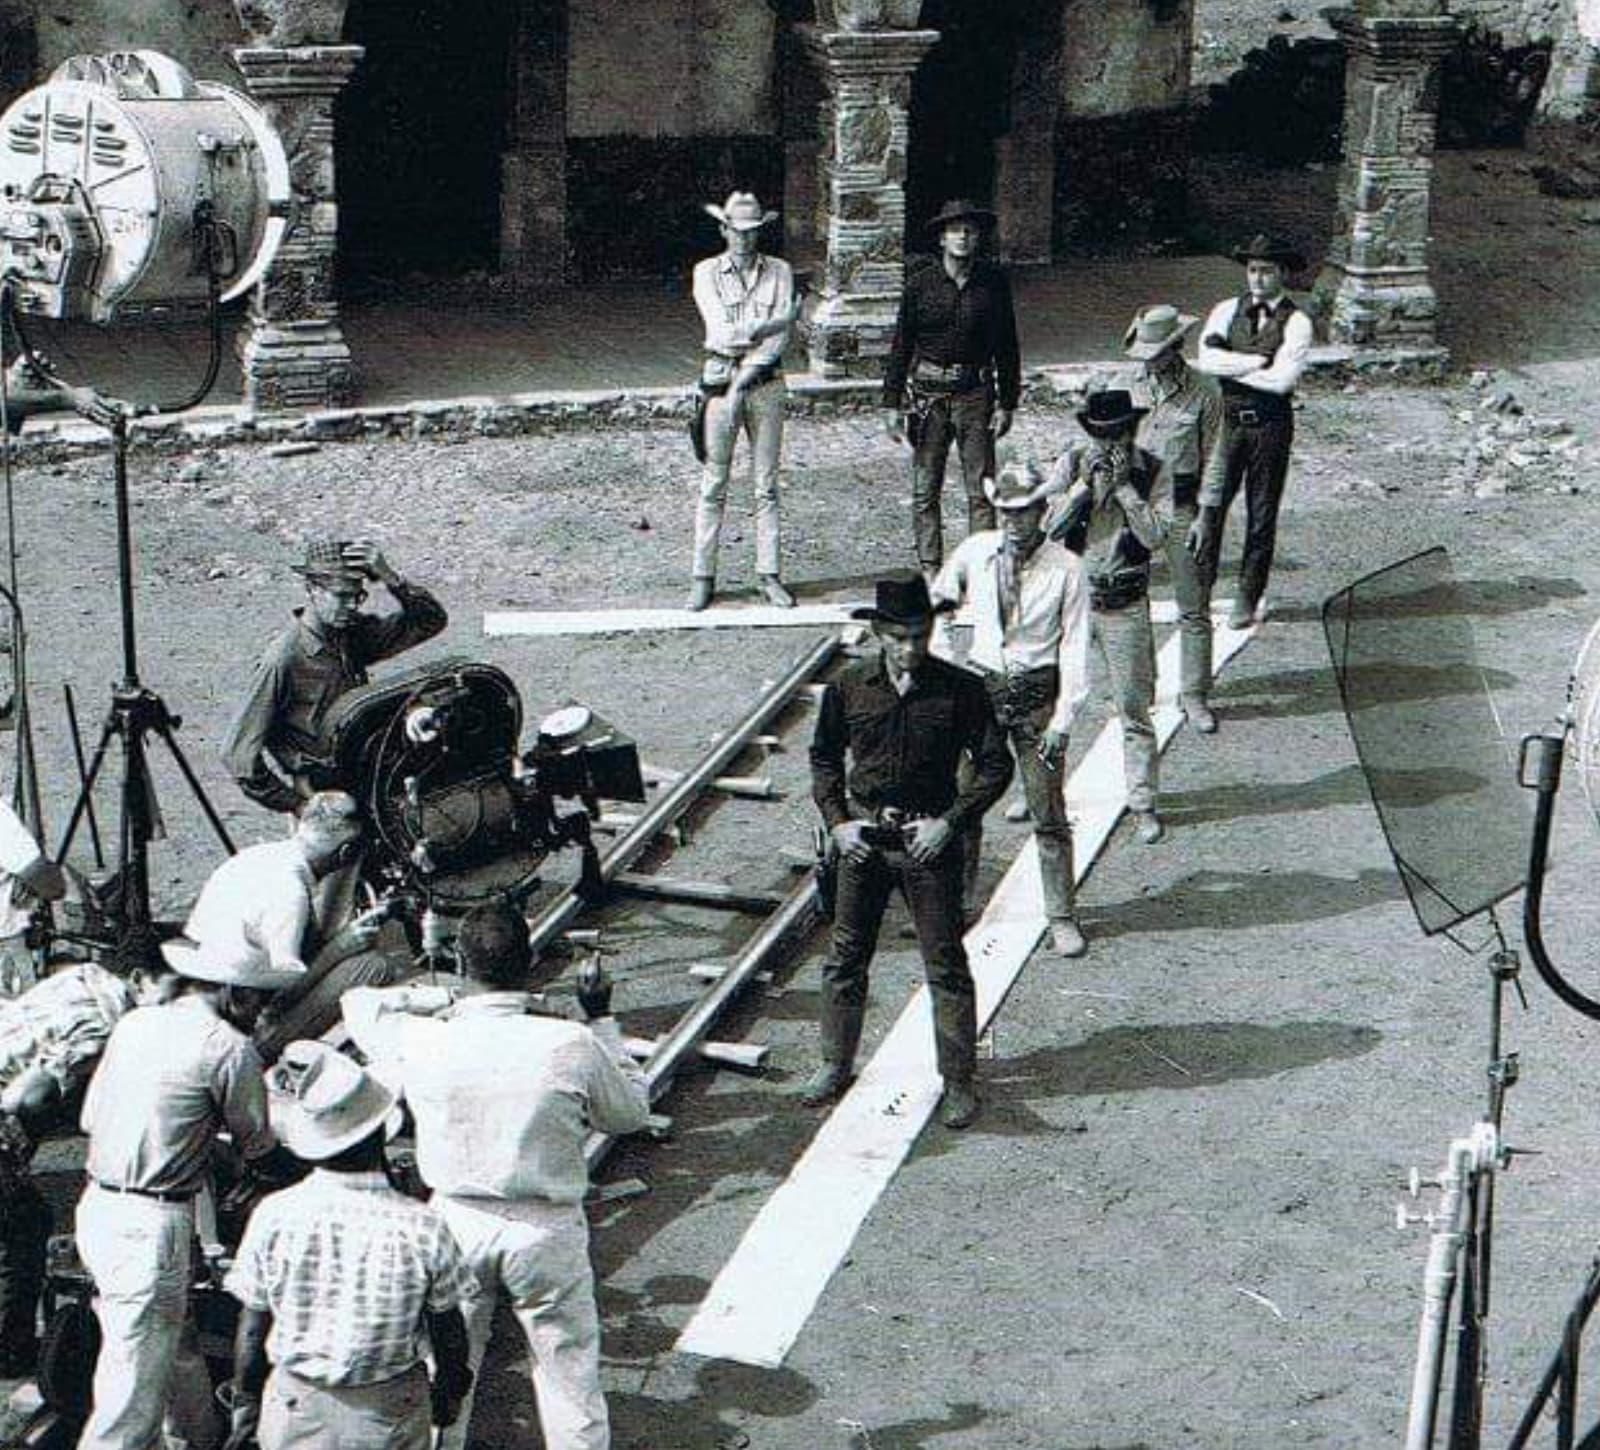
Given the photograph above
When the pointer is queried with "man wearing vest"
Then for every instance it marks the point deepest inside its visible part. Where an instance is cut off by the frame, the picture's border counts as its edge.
(1104, 515)
(954, 373)
(1257, 344)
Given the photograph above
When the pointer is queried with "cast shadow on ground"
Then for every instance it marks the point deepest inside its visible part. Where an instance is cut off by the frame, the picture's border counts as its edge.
(914, 1434)
(1170, 1056)
(1473, 597)
(1226, 900)
(721, 1389)
(1342, 787)
(1314, 692)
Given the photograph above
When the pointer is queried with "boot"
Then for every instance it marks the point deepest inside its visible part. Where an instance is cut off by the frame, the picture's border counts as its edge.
(960, 1103)
(1147, 826)
(777, 595)
(1067, 938)
(700, 591)
(824, 1085)
(1199, 714)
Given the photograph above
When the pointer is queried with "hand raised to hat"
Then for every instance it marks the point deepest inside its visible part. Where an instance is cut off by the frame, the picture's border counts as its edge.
(366, 556)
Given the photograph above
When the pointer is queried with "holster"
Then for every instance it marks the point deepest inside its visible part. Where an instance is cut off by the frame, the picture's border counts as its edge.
(826, 870)
(703, 393)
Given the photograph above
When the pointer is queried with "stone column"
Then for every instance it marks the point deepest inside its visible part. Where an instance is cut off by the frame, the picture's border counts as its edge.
(1568, 116)
(868, 77)
(1374, 288)
(533, 168)
(293, 353)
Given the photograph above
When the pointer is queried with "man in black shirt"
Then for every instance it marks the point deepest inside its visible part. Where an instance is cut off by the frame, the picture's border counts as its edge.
(905, 720)
(954, 373)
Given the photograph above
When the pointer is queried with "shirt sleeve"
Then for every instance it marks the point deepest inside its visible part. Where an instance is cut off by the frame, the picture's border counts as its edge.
(241, 1089)
(1007, 347)
(450, 1282)
(1283, 372)
(950, 587)
(1073, 657)
(247, 1279)
(283, 924)
(898, 363)
(1223, 362)
(827, 758)
(1213, 456)
(719, 334)
(18, 849)
(985, 741)
(420, 617)
(618, 1098)
(1140, 515)
(248, 760)
(770, 349)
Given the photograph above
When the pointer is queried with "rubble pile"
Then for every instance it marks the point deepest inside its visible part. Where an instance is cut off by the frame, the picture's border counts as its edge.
(1502, 448)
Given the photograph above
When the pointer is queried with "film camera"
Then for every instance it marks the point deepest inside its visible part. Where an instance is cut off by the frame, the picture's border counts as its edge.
(458, 811)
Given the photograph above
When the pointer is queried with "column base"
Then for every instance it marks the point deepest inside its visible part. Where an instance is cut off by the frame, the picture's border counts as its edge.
(1377, 308)
(848, 335)
(290, 365)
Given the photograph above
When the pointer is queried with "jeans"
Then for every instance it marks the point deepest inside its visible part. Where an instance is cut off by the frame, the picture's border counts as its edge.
(137, 1251)
(962, 419)
(1127, 645)
(1191, 586)
(1257, 459)
(24, 1234)
(761, 417)
(1023, 704)
(538, 1252)
(300, 1414)
(933, 892)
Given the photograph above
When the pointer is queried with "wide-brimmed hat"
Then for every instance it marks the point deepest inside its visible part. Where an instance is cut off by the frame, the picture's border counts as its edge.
(1109, 411)
(1155, 329)
(960, 209)
(901, 599)
(741, 211)
(226, 967)
(324, 562)
(1020, 484)
(320, 1102)
(1264, 248)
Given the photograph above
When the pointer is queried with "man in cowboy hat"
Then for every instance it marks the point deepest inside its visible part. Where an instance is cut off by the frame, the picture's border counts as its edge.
(318, 658)
(1257, 344)
(1029, 603)
(747, 305)
(1103, 513)
(262, 904)
(885, 773)
(1182, 430)
(51, 1037)
(505, 1101)
(173, 1077)
(954, 373)
(341, 1276)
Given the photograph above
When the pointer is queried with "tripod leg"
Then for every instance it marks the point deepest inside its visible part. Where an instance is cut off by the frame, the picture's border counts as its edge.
(164, 729)
(85, 800)
(83, 778)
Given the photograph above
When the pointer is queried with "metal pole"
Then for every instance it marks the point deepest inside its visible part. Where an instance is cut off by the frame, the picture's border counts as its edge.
(119, 455)
(550, 922)
(684, 1039)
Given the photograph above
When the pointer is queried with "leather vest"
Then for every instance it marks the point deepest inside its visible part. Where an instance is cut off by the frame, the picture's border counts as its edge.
(1266, 342)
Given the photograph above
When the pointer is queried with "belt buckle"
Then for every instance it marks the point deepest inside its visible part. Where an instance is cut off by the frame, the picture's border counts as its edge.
(1250, 417)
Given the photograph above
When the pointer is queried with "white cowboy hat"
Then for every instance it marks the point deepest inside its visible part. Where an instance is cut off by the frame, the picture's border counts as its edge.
(1155, 329)
(320, 1102)
(226, 966)
(741, 211)
(1020, 484)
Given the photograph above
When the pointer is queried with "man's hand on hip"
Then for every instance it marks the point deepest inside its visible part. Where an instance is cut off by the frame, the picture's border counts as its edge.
(847, 837)
(928, 839)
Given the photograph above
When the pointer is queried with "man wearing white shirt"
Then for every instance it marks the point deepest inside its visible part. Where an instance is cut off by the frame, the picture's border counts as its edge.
(504, 1102)
(746, 303)
(27, 875)
(1257, 344)
(1029, 605)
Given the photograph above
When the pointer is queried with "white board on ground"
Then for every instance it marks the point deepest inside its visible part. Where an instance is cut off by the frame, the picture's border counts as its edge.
(766, 1291)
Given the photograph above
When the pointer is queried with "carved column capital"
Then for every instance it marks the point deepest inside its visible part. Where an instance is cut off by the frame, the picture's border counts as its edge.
(277, 72)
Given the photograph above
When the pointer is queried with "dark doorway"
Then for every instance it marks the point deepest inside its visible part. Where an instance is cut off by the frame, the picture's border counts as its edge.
(960, 102)
(419, 134)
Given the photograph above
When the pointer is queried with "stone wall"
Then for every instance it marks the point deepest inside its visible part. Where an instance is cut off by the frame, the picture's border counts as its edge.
(200, 34)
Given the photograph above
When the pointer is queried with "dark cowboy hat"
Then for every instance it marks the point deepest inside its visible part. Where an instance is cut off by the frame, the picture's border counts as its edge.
(960, 209)
(901, 599)
(1109, 412)
(1262, 248)
(325, 562)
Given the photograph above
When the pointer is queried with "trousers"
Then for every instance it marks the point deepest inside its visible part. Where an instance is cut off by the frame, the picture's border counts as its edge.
(1257, 461)
(761, 416)
(150, 1368)
(538, 1253)
(310, 1008)
(961, 419)
(300, 1414)
(933, 893)
(1023, 705)
(1191, 587)
(1127, 644)
(24, 1238)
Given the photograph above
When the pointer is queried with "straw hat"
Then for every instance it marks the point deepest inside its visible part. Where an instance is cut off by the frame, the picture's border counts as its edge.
(321, 1102)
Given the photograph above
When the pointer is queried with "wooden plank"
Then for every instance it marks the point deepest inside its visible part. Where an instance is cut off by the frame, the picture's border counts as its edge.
(766, 1291)
(716, 971)
(746, 1055)
(698, 893)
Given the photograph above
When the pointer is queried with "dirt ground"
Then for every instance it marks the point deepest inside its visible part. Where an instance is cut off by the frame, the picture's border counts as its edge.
(1173, 1226)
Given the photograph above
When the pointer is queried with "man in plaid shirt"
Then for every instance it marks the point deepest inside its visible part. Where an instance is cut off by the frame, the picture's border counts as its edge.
(339, 1277)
